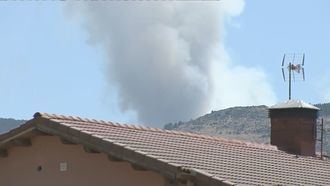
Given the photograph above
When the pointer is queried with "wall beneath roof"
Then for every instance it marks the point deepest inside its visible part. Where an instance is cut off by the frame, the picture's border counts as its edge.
(22, 167)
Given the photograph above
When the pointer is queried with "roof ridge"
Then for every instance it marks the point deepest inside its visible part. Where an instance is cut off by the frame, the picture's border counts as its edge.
(146, 128)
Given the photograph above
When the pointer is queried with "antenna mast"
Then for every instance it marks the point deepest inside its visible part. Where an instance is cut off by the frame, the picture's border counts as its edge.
(321, 140)
(289, 68)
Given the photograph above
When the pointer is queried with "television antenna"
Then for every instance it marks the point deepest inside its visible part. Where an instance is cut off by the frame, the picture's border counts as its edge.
(293, 68)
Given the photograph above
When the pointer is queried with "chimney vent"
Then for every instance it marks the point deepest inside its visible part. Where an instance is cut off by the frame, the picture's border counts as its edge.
(293, 127)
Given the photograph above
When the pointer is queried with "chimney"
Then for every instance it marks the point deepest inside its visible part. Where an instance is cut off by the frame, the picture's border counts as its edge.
(293, 127)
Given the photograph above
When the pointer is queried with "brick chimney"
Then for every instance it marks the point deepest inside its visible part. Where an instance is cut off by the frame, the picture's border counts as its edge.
(293, 127)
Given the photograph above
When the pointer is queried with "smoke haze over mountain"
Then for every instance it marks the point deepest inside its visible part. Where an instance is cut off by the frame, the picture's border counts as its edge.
(168, 60)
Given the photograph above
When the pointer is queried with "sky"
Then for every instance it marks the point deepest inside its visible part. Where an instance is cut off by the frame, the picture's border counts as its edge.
(77, 60)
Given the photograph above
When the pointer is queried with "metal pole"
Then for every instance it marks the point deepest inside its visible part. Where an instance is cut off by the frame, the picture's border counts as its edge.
(322, 138)
(290, 68)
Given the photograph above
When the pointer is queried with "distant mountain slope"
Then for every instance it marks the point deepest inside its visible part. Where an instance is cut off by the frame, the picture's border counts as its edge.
(8, 124)
(245, 123)
(325, 109)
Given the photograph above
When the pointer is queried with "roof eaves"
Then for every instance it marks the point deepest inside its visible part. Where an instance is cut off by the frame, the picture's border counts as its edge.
(210, 179)
(25, 128)
(120, 151)
(109, 147)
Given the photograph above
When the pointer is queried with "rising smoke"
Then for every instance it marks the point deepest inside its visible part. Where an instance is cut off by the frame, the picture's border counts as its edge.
(168, 59)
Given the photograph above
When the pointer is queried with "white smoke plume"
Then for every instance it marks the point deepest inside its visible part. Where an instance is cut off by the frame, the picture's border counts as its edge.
(168, 59)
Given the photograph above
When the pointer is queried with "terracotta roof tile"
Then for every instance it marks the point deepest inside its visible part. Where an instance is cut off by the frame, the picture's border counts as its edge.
(231, 161)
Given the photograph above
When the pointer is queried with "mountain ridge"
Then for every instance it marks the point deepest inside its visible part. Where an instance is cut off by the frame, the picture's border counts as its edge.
(248, 123)
(7, 124)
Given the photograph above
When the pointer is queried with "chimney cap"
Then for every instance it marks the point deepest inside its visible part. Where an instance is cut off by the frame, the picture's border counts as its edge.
(290, 104)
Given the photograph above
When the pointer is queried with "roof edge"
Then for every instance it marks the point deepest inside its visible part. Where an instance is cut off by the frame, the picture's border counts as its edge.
(44, 123)
(56, 117)
(293, 104)
(119, 151)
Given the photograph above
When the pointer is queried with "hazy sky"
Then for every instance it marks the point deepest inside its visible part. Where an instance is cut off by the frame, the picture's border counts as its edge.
(71, 60)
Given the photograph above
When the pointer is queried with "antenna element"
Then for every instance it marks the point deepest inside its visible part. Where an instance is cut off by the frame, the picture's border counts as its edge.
(293, 67)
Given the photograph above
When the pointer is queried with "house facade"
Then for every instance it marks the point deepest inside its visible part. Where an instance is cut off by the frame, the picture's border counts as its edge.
(48, 161)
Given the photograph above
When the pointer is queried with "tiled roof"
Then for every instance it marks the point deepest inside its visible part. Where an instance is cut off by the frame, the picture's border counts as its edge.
(230, 161)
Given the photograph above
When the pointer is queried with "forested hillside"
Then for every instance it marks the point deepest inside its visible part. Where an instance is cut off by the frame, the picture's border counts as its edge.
(7, 124)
